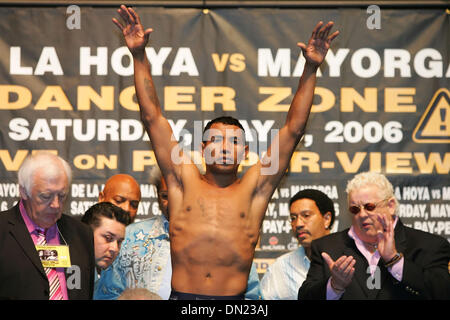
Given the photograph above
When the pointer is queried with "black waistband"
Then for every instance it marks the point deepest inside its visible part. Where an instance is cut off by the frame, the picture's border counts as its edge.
(175, 295)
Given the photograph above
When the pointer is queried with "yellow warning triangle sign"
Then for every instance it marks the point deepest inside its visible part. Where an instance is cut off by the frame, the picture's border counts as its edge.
(434, 125)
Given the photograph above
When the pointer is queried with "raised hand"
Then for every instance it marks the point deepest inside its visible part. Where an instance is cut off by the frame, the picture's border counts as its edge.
(135, 36)
(342, 271)
(319, 43)
(386, 241)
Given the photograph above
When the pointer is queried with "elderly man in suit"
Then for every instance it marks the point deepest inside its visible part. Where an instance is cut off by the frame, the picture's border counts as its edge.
(35, 221)
(378, 257)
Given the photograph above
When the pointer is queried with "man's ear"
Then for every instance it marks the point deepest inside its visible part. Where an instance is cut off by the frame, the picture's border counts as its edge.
(392, 205)
(327, 220)
(202, 148)
(23, 193)
(101, 196)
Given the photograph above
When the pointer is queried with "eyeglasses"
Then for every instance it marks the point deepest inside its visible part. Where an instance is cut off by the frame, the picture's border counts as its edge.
(367, 206)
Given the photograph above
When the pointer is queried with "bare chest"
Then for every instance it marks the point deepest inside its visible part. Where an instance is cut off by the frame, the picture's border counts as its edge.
(215, 213)
(215, 206)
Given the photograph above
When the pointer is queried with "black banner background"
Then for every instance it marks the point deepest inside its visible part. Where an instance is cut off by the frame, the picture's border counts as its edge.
(382, 100)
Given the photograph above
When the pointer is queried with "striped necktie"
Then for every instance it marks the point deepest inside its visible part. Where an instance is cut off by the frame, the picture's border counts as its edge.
(52, 275)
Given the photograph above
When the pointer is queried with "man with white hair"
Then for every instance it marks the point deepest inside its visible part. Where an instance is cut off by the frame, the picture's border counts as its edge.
(35, 223)
(378, 257)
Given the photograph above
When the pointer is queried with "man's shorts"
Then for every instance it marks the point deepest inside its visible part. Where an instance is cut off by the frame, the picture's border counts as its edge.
(175, 295)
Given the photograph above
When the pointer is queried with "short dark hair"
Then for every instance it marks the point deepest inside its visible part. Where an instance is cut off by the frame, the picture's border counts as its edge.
(323, 202)
(225, 120)
(108, 210)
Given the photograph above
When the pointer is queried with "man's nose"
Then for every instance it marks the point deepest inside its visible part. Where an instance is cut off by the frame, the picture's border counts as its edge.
(299, 223)
(125, 206)
(225, 146)
(114, 247)
(363, 212)
(56, 202)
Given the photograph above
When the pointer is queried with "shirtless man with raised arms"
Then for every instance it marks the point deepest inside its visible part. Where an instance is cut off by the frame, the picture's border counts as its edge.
(216, 217)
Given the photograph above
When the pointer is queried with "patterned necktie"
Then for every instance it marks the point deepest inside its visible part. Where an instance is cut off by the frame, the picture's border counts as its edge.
(52, 275)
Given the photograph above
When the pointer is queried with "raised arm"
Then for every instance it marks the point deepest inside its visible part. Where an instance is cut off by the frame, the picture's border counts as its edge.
(156, 125)
(274, 163)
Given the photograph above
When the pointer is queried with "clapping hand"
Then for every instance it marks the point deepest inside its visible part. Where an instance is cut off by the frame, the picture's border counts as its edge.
(386, 241)
(342, 271)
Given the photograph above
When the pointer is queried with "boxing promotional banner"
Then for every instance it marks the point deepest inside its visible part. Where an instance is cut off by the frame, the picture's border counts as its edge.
(382, 100)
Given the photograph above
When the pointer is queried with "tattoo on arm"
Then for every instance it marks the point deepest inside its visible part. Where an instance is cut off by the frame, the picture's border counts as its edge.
(151, 92)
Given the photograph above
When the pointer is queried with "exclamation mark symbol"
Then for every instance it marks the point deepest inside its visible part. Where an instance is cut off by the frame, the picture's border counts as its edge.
(443, 113)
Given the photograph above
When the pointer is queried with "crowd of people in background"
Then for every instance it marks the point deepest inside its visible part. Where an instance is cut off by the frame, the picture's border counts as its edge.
(121, 260)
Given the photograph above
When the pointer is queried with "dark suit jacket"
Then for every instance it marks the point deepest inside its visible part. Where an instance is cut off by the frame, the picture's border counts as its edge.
(21, 273)
(425, 270)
